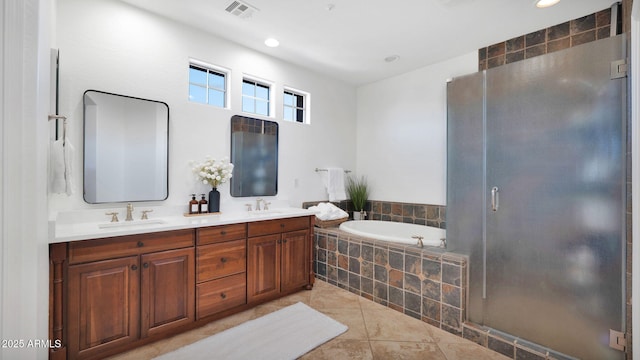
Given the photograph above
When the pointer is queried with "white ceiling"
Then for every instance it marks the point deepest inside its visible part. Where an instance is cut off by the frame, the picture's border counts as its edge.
(349, 39)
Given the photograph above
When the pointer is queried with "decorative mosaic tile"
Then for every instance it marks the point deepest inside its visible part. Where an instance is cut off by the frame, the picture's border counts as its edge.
(431, 289)
(412, 283)
(366, 269)
(396, 278)
(412, 264)
(451, 274)
(431, 309)
(396, 260)
(396, 296)
(451, 295)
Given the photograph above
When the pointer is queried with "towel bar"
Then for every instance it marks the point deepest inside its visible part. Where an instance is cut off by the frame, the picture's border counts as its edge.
(318, 169)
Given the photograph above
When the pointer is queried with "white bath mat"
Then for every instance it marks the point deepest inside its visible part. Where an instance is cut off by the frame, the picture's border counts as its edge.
(284, 334)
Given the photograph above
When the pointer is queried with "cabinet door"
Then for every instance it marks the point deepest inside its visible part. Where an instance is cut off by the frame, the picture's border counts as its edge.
(167, 290)
(263, 267)
(295, 259)
(103, 307)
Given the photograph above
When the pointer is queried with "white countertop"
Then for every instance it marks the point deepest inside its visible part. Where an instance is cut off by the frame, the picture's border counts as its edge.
(93, 224)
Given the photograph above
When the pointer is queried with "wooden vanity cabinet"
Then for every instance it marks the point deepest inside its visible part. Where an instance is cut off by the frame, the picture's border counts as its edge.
(147, 291)
(221, 265)
(279, 257)
(113, 294)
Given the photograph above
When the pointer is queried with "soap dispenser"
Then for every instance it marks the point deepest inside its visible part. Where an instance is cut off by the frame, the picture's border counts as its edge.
(193, 205)
(204, 205)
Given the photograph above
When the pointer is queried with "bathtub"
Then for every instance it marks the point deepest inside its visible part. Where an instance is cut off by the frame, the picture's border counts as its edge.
(394, 231)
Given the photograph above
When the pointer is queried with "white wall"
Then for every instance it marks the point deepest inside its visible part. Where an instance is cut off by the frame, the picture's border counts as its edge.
(402, 123)
(24, 104)
(110, 46)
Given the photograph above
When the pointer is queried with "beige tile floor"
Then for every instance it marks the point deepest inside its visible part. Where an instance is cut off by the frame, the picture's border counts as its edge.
(375, 332)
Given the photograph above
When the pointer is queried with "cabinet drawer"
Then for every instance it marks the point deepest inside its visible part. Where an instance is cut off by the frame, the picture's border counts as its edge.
(278, 226)
(216, 234)
(218, 295)
(218, 260)
(109, 248)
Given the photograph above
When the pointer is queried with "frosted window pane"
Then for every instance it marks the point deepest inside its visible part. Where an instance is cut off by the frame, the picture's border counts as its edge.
(248, 105)
(197, 76)
(248, 89)
(197, 94)
(262, 107)
(216, 81)
(262, 92)
(216, 98)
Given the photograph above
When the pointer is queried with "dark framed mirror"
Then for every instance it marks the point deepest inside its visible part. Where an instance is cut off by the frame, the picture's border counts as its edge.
(126, 148)
(254, 155)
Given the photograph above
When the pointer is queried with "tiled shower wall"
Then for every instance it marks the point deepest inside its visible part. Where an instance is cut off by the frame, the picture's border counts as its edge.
(571, 33)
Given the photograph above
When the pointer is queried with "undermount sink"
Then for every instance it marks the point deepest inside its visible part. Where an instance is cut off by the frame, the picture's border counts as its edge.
(265, 212)
(131, 223)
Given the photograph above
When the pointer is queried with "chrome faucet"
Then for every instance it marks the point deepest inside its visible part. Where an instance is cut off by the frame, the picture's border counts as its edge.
(129, 212)
(420, 243)
(258, 200)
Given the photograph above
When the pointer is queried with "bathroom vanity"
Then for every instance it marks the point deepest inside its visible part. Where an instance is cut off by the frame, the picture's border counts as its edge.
(113, 289)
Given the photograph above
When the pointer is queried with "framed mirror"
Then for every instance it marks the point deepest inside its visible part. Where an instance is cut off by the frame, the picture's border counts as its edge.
(126, 143)
(254, 154)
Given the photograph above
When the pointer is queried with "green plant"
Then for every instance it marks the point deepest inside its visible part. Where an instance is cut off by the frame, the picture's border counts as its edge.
(358, 191)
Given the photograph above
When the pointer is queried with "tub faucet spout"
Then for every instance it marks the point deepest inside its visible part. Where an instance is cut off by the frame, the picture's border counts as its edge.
(420, 243)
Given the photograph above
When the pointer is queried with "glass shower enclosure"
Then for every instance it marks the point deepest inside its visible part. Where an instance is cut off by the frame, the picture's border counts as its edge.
(536, 196)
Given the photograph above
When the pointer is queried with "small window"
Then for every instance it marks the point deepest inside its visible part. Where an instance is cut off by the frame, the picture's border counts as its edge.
(255, 97)
(207, 86)
(294, 106)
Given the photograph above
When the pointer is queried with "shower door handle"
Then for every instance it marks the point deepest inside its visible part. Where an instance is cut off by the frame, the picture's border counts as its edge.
(495, 200)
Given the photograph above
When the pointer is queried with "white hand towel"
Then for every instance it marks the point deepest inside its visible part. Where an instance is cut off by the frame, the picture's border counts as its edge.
(335, 184)
(69, 153)
(328, 211)
(56, 167)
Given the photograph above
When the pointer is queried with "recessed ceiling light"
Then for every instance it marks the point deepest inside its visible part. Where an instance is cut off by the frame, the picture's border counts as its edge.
(271, 42)
(546, 3)
(391, 58)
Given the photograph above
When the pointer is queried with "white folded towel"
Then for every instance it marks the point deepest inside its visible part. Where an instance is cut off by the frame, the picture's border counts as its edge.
(335, 184)
(61, 167)
(69, 153)
(56, 167)
(328, 211)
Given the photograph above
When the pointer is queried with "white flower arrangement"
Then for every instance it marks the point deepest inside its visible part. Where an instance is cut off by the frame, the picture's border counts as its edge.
(212, 171)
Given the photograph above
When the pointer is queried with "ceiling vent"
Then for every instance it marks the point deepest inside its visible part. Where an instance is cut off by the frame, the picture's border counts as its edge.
(241, 9)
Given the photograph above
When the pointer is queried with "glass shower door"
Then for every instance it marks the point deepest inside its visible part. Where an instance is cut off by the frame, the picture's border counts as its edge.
(555, 200)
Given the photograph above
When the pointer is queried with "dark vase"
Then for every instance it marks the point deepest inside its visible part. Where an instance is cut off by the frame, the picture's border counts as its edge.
(214, 201)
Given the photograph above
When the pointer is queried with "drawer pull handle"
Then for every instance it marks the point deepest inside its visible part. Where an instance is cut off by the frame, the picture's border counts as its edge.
(282, 225)
(284, 241)
(145, 265)
(134, 267)
(223, 233)
(279, 241)
(223, 260)
(140, 244)
(223, 295)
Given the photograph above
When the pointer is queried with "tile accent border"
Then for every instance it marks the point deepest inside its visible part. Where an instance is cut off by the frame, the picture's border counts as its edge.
(421, 214)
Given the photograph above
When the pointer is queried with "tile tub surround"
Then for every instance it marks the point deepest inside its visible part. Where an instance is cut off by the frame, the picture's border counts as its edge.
(428, 284)
(421, 214)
